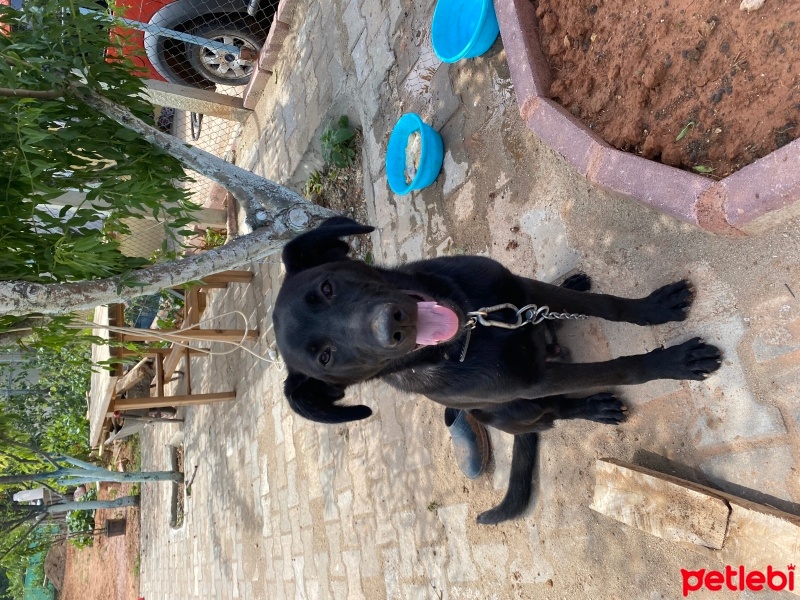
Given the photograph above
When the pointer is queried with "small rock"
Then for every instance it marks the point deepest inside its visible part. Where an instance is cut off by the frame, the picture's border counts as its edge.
(549, 22)
(176, 441)
(751, 5)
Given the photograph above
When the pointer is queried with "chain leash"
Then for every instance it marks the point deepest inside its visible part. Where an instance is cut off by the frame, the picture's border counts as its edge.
(530, 314)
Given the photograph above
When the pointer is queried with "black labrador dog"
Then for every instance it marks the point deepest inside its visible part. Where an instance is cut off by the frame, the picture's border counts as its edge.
(339, 322)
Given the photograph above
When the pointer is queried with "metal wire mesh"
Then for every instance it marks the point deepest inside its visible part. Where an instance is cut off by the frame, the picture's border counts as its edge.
(212, 45)
(215, 135)
(202, 43)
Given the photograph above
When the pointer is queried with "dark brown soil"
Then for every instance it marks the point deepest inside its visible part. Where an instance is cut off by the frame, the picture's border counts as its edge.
(109, 569)
(643, 74)
(342, 190)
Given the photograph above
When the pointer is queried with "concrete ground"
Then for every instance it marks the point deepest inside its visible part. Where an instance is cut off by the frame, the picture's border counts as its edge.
(284, 508)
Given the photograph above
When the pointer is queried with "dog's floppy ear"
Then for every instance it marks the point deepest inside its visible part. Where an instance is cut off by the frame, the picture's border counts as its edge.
(321, 245)
(316, 400)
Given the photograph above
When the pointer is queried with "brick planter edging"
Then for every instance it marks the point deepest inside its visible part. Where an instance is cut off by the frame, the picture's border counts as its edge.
(268, 55)
(748, 202)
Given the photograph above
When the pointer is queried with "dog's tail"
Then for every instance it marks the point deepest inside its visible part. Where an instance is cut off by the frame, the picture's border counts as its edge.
(520, 482)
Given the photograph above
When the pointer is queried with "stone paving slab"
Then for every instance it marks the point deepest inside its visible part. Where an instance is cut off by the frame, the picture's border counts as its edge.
(283, 508)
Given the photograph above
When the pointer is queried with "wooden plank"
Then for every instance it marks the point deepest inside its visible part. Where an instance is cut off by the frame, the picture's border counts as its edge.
(171, 362)
(229, 277)
(758, 537)
(191, 316)
(218, 285)
(134, 376)
(209, 335)
(150, 351)
(159, 375)
(188, 370)
(191, 307)
(192, 99)
(155, 402)
(657, 505)
(101, 389)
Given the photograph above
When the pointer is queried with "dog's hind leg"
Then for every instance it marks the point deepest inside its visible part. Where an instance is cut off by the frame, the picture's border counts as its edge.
(520, 483)
(524, 418)
(531, 416)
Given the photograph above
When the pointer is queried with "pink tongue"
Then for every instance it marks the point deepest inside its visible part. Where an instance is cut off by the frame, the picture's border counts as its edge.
(435, 323)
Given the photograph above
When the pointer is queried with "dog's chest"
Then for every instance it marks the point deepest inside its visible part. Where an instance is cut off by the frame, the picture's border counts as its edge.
(492, 355)
(420, 379)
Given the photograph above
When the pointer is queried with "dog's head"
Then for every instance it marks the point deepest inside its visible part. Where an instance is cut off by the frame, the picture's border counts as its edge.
(339, 321)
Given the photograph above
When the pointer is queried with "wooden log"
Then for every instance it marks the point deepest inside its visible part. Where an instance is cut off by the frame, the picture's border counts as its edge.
(659, 505)
(757, 537)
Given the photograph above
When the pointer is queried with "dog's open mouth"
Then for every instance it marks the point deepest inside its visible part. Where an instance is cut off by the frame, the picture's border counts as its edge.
(435, 323)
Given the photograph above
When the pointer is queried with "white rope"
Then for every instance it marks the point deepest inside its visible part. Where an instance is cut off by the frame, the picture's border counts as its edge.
(169, 337)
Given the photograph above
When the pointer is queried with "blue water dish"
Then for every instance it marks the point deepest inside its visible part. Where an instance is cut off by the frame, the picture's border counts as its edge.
(430, 157)
(463, 29)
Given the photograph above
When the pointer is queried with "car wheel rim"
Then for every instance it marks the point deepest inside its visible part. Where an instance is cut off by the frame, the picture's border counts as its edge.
(225, 64)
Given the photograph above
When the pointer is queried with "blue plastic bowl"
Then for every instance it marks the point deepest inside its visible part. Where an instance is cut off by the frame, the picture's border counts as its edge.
(463, 29)
(430, 160)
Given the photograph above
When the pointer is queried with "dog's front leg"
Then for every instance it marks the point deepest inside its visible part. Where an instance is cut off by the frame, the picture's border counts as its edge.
(691, 360)
(668, 303)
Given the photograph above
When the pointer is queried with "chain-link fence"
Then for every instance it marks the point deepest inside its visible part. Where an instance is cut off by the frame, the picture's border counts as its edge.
(202, 43)
(212, 45)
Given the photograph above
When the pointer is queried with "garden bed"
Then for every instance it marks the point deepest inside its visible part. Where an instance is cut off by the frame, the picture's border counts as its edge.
(696, 84)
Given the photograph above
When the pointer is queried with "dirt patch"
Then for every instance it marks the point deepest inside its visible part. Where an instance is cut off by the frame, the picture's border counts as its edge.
(697, 84)
(342, 190)
(108, 569)
(55, 563)
(178, 509)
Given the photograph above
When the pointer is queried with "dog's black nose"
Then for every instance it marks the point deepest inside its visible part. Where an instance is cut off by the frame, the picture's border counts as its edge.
(389, 325)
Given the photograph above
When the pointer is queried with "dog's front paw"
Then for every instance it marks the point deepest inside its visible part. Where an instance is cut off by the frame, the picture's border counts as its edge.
(580, 282)
(690, 360)
(604, 408)
(668, 303)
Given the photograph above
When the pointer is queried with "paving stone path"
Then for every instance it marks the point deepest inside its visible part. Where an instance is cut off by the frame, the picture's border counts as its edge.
(282, 508)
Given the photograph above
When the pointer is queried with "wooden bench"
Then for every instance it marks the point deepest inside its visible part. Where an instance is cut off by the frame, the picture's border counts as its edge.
(167, 360)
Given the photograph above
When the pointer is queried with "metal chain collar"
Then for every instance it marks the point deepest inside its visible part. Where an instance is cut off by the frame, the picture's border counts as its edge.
(530, 314)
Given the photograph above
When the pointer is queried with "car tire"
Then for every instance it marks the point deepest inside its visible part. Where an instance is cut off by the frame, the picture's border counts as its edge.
(217, 67)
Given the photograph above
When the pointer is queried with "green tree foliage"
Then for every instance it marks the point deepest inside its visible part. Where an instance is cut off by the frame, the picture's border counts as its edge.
(26, 529)
(80, 523)
(53, 144)
(47, 396)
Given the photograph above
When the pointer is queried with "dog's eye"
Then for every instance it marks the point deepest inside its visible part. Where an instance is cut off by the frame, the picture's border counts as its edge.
(327, 289)
(325, 357)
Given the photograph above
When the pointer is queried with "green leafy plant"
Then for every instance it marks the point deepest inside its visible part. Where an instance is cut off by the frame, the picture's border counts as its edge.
(684, 131)
(315, 184)
(338, 143)
(49, 397)
(50, 145)
(171, 311)
(213, 238)
(80, 523)
(703, 169)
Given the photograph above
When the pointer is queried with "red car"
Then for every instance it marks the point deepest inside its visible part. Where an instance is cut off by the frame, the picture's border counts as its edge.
(231, 22)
